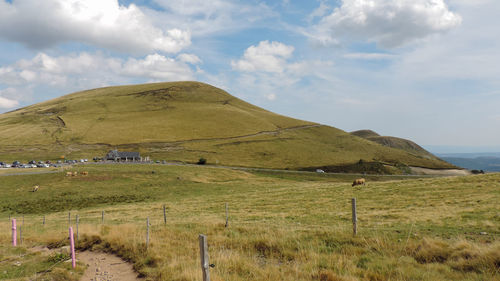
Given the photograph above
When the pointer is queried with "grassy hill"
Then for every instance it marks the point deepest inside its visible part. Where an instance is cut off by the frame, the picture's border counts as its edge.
(183, 121)
(365, 134)
(394, 142)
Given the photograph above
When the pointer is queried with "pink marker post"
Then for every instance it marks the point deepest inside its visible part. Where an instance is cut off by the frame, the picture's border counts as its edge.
(14, 233)
(72, 243)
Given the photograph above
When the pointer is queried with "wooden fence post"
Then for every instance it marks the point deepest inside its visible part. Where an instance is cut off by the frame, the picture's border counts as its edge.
(147, 233)
(43, 220)
(77, 233)
(102, 217)
(227, 216)
(204, 257)
(164, 214)
(354, 217)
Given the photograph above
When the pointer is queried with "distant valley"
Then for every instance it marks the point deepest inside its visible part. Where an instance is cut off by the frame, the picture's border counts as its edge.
(489, 162)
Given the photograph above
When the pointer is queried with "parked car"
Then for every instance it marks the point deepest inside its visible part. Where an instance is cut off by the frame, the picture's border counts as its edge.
(6, 165)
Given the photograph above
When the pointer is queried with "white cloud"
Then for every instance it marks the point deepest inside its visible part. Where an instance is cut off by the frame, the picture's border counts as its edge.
(369, 56)
(205, 18)
(267, 71)
(189, 58)
(319, 12)
(196, 7)
(5, 102)
(470, 53)
(85, 70)
(271, 97)
(102, 23)
(389, 23)
(266, 56)
(158, 67)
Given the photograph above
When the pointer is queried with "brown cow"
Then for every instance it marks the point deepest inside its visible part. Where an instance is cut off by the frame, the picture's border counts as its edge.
(359, 182)
(85, 173)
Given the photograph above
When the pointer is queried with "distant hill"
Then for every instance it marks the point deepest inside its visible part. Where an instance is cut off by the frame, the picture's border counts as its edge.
(184, 121)
(365, 134)
(485, 163)
(394, 142)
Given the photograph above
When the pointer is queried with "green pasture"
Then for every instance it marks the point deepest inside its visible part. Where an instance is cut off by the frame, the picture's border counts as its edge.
(282, 225)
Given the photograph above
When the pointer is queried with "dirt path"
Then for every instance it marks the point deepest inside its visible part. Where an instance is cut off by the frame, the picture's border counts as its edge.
(280, 130)
(440, 172)
(105, 267)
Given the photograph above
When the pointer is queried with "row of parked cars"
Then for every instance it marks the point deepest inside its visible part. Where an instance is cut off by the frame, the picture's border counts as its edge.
(40, 164)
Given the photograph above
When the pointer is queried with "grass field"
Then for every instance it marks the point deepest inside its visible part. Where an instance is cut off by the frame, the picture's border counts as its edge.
(184, 121)
(282, 225)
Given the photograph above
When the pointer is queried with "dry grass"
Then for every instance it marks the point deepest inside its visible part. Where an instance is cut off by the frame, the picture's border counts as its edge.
(461, 255)
(282, 226)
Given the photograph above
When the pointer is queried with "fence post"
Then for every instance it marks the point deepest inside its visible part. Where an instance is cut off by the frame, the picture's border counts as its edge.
(77, 233)
(354, 217)
(102, 217)
(69, 218)
(164, 214)
(21, 235)
(147, 232)
(72, 244)
(14, 233)
(204, 257)
(43, 220)
(227, 216)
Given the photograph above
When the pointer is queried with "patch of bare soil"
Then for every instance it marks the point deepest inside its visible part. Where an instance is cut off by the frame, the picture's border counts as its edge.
(105, 267)
(449, 172)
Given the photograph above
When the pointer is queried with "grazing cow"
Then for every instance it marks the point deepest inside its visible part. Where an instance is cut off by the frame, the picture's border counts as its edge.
(35, 188)
(69, 174)
(75, 173)
(358, 182)
(85, 173)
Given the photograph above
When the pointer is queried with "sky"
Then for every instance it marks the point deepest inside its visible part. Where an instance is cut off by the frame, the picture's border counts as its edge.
(425, 70)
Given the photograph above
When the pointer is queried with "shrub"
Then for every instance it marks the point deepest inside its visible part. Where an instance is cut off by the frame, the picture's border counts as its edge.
(202, 161)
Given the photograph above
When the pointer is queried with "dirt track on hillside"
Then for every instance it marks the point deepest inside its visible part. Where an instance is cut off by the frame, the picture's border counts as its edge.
(440, 172)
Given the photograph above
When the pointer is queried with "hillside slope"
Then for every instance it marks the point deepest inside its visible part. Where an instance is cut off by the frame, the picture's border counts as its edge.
(394, 142)
(183, 121)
